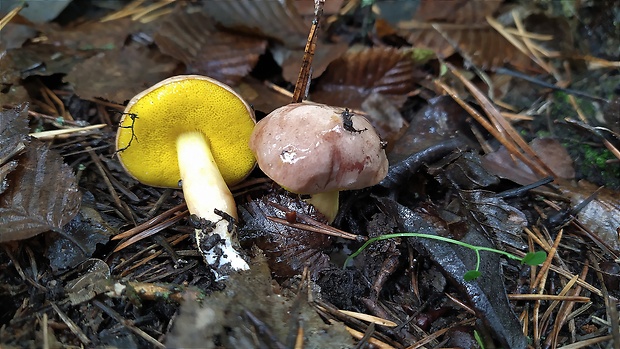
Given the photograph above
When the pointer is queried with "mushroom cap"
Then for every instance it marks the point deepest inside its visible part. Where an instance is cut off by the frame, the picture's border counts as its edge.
(307, 150)
(180, 104)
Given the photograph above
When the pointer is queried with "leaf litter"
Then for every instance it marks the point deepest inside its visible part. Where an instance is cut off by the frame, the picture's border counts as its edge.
(58, 212)
(41, 192)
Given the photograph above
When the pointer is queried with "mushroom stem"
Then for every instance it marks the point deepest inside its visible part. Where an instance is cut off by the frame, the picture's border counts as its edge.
(326, 203)
(205, 191)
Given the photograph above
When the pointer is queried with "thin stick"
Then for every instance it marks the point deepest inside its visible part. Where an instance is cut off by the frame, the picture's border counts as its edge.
(306, 64)
(150, 223)
(9, 16)
(302, 226)
(65, 132)
(152, 230)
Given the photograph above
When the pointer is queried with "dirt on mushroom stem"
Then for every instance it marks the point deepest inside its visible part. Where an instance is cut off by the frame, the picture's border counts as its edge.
(206, 147)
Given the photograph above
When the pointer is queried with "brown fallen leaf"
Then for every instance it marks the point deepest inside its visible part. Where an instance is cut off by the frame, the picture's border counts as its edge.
(278, 20)
(89, 36)
(456, 11)
(120, 74)
(549, 150)
(13, 131)
(324, 54)
(350, 79)
(42, 193)
(193, 39)
(288, 250)
(450, 26)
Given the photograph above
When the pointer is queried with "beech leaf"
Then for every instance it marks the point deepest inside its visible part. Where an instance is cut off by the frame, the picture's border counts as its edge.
(13, 131)
(351, 78)
(194, 39)
(42, 195)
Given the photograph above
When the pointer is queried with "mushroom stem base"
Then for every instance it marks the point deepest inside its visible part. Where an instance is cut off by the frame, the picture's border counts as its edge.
(326, 203)
(205, 191)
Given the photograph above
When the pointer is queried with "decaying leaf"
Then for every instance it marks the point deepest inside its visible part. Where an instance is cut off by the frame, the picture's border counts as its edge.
(88, 229)
(87, 280)
(120, 74)
(4, 171)
(385, 117)
(456, 11)
(601, 216)
(499, 220)
(486, 296)
(324, 54)
(288, 250)
(42, 193)
(260, 96)
(549, 150)
(193, 39)
(89, 36)
(482, 209)
(441, 119)
(41, 59)
(463, 171)
(486, 48)
(13, 131)
(13, 140)
(279, 20)
(460, 26)
(353, 77)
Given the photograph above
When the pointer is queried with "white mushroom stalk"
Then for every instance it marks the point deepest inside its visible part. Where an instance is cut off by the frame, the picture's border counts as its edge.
(205, 192)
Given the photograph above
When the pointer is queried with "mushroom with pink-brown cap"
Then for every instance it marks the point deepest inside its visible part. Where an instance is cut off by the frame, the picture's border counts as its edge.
(319, 150)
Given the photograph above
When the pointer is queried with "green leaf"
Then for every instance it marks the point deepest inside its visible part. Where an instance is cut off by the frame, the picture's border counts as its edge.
(534, 258)
(471, 275)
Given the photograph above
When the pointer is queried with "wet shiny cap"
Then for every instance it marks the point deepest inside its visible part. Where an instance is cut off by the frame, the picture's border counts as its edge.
(314, 148)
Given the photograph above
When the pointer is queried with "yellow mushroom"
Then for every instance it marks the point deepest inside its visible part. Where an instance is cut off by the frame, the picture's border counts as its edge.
(194, 131)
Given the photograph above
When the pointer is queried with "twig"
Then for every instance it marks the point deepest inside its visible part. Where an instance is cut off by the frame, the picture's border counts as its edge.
(6, 19)
(151, 222)
(303, 80)
(73, 327)
(153, 230)
(116, 316)
(65, 132)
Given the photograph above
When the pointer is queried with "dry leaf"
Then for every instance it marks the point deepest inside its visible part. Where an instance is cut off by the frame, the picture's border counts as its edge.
(13, 131)
(550, 151)
(40, 59)
(460, 25)
(288, 250)
(279, 20)
(89, 36)
(349, 80)
(42, 195)
(456, 11)
(193, 39)
(324, 54)
(119, 75)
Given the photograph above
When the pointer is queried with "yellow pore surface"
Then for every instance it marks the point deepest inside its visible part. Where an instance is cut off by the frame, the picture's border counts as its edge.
(181, 104)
